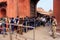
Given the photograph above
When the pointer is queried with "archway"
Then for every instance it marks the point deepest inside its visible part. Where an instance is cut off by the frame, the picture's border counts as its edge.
(3, 9)
(44, 7)
(3, 12)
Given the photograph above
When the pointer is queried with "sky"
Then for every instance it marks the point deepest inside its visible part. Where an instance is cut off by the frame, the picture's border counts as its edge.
(45, 4)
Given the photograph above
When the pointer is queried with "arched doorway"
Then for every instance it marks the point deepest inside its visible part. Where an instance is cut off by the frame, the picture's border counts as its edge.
(3, 9)
(44, 7)
(3, 12)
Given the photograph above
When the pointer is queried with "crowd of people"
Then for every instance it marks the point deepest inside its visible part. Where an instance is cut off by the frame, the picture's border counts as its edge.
(27, 21)
(38, 21)
(6, 22)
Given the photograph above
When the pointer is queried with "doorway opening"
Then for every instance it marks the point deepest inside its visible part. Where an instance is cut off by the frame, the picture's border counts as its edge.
(45, 7)
(3, 6)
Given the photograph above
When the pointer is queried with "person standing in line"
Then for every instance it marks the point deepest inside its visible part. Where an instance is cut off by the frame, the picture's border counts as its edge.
(0, 26)
(4, 25)
(12, 26)
(43, 21)
(20, 28)
(16, 21)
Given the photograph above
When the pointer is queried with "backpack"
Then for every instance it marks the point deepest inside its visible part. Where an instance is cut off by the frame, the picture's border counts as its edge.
(12, 21)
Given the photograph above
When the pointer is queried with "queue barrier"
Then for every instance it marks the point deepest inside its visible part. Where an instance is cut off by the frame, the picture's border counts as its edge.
(15, 33)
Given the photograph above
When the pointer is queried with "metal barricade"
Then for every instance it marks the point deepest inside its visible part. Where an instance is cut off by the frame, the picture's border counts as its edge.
(18, 35)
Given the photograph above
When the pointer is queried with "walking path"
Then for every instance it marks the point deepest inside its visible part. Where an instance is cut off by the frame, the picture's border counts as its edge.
(41, 33)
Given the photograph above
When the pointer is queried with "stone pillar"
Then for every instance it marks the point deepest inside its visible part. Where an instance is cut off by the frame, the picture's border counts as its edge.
(56, 9)
(33, 4)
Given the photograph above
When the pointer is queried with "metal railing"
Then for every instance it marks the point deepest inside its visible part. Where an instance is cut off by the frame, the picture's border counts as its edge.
(18, 35)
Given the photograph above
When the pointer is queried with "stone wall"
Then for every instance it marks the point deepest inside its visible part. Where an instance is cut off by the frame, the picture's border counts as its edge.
(24, 8)
(19, 8)
(57, 10)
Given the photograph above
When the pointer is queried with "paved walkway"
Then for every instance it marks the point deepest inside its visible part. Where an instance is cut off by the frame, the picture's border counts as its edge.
(41, 33)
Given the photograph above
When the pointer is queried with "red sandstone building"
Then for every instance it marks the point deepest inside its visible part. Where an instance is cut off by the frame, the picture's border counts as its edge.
(21, 8)
(57, 10)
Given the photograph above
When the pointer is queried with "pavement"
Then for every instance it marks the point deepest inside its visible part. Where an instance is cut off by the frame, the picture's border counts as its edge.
(41, 33)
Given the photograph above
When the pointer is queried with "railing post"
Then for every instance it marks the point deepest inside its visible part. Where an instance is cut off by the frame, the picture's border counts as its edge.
(26, 27)
(10, 32)
(34, 33)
